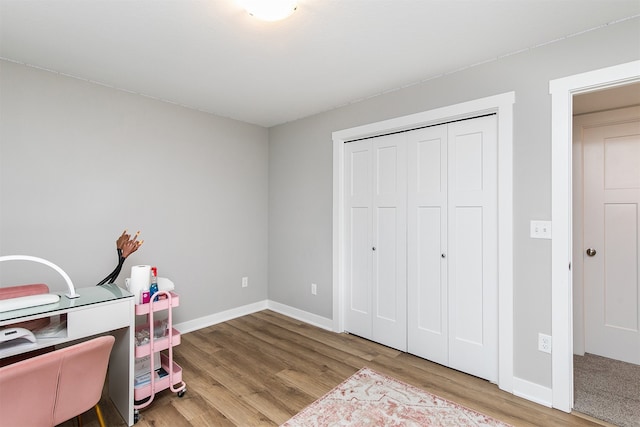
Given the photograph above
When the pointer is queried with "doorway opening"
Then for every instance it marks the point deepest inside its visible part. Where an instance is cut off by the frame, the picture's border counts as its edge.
(562, 93)
(606, 196)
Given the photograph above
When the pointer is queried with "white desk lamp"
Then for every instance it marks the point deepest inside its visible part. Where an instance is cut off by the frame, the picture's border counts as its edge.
(72, 291)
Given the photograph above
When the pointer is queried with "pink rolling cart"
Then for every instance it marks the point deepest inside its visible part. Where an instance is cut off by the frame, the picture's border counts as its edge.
(162, 336)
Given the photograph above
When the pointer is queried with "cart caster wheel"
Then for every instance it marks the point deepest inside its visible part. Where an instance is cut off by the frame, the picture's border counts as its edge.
(136, 416)
(182, 392)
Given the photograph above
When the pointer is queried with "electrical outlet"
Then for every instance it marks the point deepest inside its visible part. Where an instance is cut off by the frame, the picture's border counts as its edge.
(314, 289)
(544, 343)
(245, 282)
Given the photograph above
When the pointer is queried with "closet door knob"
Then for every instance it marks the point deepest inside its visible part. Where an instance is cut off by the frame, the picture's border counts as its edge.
(591, 252)
(373, 248)
(443, 255)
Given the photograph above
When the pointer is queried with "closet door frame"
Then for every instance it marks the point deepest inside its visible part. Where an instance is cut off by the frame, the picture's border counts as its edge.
(502, 106)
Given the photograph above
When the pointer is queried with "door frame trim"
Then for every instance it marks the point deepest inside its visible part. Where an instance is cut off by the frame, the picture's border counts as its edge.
(562, 91)
(502, 105)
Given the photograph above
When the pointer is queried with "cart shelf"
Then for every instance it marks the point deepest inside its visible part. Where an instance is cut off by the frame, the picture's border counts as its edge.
(143, 391)
(161, 304)
(159, 344)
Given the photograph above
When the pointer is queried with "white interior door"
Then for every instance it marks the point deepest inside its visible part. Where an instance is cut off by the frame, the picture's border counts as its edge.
(427, 242)
(611, 237)
(375, 226)
(473, 248)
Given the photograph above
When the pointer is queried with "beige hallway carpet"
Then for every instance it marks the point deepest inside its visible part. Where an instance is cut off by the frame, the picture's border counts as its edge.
(607, 389)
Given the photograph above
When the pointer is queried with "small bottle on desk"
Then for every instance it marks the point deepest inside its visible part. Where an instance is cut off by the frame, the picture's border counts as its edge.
(153, 288)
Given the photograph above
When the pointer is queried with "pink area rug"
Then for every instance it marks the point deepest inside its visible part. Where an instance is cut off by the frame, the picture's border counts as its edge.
(368, 398)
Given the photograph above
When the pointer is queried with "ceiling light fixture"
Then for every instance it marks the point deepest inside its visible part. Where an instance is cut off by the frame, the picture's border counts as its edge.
(269, 10)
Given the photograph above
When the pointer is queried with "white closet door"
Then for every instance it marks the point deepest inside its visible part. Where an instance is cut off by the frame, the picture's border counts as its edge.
(421, 250)
(390, 241)
(452, 245)
(472, 252)
(427, 242)
(375, 200)
(358, 226)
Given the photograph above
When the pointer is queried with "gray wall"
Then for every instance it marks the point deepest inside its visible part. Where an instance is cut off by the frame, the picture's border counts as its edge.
(300, 176)
(80, 162)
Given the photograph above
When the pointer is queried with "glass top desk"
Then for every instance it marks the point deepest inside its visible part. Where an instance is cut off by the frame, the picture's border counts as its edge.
(106, 309)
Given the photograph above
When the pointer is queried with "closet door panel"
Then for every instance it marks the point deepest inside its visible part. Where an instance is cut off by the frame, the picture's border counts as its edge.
(430, 292)
(466, 275)
(427, 242)
(360, 261)
(386, 264)
(468, 155)
(389, 240)
(472, 260)
(358, 215)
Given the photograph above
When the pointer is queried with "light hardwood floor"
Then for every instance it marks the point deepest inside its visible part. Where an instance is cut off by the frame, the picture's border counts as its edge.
(261, 369)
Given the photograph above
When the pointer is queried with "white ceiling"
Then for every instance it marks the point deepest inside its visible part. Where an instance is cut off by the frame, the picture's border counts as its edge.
(212, 56)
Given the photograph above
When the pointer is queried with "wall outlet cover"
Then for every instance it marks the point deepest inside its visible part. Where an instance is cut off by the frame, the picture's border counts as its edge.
(544, 343)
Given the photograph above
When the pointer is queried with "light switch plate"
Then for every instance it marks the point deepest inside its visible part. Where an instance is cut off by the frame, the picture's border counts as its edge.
(540, 229)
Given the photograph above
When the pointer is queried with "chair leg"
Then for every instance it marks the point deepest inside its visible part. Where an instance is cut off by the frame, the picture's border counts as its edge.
(99, 414)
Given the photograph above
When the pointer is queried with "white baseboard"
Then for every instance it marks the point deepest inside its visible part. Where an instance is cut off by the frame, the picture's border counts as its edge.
(223, 316)
(533, 392)
(312, 319)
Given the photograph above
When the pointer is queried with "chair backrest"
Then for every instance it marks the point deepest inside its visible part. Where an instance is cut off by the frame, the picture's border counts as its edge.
(27, 391)
(49, 389)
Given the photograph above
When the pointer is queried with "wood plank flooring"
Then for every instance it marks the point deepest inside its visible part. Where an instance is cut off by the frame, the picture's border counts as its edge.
(261, 369)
